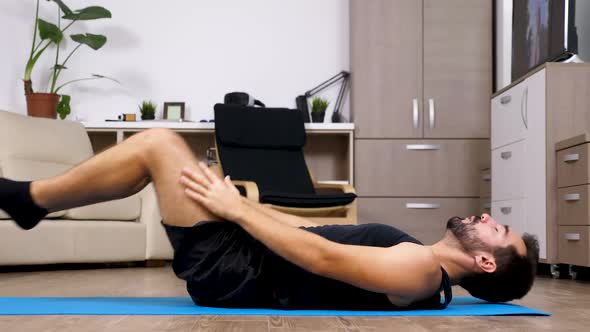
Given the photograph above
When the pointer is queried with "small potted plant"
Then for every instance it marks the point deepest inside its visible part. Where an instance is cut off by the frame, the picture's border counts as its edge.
(148, 110)
(318, 109)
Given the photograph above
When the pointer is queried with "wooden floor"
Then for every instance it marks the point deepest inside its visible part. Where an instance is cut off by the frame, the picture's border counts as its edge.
(568, 300)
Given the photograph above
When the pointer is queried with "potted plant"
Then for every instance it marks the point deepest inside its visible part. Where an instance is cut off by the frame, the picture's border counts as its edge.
(318, 109)
(49, 104)
(148, 110)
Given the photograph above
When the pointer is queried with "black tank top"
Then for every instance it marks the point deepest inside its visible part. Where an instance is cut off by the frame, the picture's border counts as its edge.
(297, 288)
(224, 266)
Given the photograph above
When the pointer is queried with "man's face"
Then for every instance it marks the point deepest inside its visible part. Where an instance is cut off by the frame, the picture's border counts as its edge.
(482, 233)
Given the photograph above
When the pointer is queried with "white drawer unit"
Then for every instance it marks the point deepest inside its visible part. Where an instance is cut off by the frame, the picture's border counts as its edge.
(508, 171)
(511, 213)
(508, 109)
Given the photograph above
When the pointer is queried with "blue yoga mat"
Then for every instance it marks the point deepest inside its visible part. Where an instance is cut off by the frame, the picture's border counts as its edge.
(462, 306)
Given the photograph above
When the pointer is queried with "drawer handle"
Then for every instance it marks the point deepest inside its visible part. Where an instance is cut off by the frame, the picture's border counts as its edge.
(486, 177)
(572, 197)
(422, 206)
(568, 158)
(505, 100)
(572, 236)
(506, 155)
(506, 209)
(423, 147)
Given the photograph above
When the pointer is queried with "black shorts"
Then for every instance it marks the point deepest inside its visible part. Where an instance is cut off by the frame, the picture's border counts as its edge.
(223, 265)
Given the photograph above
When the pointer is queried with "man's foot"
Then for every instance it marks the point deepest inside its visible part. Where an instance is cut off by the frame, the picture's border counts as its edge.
(16, 200)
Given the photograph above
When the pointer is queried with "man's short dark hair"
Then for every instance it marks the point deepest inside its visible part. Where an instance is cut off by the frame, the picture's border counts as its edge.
(513, 277)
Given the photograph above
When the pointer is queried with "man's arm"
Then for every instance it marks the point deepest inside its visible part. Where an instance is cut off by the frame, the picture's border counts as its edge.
(288, 219)
(406, 271)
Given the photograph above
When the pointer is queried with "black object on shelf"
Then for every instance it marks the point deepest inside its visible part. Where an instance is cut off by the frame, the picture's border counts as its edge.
(301, 101)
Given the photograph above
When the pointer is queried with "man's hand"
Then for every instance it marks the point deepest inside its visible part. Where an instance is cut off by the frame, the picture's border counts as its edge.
(219, 196)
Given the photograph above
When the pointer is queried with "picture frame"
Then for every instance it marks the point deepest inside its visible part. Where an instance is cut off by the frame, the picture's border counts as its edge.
(173, 111)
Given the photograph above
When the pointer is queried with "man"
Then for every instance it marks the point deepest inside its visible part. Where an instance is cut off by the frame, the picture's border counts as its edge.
(237, 253)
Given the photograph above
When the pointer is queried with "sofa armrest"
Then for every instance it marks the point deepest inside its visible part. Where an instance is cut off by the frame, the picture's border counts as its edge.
(157, 244)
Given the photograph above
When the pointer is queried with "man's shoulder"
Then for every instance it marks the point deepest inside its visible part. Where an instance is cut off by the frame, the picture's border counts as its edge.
(422, 257)
(422, 266)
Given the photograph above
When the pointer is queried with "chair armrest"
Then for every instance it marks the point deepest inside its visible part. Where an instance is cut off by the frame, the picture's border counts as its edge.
(345, 188)
(252, 192)
(157, 244)
(217, 170)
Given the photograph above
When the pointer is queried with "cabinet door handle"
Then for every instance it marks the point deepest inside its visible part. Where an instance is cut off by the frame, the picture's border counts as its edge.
(572, 197)
(415, 113)
(506, 209)
(523, 107)
(423, 146)
(422, 205)
(505, 100)
(486, 177)
(568, 158)
(431, 112)
(506, 155)
(572, 236)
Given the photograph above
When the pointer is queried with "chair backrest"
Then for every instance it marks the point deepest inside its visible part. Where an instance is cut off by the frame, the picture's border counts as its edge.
(263, 145)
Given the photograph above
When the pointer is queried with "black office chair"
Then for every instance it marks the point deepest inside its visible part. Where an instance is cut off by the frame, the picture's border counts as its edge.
(262, 150)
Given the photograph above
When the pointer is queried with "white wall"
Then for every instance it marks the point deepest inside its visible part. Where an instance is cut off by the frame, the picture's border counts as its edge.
(184, 50)
(503, 43)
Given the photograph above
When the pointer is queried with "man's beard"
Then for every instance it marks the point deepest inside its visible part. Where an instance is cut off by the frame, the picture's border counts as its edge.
(466, 234)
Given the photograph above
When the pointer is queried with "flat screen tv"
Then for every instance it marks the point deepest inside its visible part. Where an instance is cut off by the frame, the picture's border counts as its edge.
(545, 30)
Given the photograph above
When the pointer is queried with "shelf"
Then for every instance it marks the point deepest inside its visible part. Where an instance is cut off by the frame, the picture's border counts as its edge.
(197, 126)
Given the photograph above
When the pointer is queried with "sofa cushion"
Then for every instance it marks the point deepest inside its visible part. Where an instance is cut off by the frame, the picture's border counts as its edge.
(127, 209)
(26, 170)
(72, 241)
(24, 137)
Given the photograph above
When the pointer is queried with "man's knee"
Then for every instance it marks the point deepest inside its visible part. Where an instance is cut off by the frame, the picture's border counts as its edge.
(154, 140)
(160, 137)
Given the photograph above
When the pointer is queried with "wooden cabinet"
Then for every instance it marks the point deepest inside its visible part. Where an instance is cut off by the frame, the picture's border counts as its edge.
(386, 66)
(573, 214)
(518, 149)
(421, 68)
(418, 167)
(421, 82)
(529, 118)
(457, 68)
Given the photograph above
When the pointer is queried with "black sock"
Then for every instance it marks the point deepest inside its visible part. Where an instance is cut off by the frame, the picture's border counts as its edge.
(16, 200)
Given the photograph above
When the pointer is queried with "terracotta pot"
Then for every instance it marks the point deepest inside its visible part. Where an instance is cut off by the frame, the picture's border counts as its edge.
(42, 105)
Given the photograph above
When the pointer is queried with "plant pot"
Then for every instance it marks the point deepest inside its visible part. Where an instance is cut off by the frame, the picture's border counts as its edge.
(148, 116)
(42, 105)
(317, 116)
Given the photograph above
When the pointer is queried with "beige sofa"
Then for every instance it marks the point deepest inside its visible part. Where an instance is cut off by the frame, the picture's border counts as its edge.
(117, 231)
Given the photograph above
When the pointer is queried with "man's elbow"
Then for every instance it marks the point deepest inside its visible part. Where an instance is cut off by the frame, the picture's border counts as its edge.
(323, 261)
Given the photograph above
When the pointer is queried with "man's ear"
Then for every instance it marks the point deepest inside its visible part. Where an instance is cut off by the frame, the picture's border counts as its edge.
(485, 262)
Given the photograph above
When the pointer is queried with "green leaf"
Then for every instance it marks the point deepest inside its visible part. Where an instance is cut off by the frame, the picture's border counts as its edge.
(105, 77)
(65, 9)
(63, 108)
(93, 41)
(60, 67)
(49, 31)
(89, 13)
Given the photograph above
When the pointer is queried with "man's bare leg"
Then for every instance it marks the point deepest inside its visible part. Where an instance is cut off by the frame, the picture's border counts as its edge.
(156, 155)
